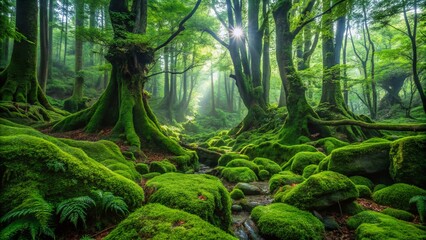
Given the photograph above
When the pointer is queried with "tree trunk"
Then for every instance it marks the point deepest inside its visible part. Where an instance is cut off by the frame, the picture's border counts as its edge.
(76, 102)
(266, 67)
(123, 106)
(50, 42)
(18, 82)
(44, 45)
(66, 33)
(213, 111)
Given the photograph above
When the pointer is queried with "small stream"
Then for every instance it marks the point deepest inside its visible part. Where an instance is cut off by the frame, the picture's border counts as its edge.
(243, 227)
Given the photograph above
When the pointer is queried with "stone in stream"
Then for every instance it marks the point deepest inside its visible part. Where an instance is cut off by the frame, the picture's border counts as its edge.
(252, 229)
(248, 189)
(240, 234)
(236, 208)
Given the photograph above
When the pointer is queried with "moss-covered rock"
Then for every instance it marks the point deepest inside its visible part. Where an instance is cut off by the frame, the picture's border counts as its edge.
(268, 165)
(408, 163)
(329, 144)
(239, 174)
(248, 189)
(243, 163)
(199, 194)
(151, 175)
(378, 187)
(352, 208)
(321, 190)
(360, 180)
(282, 179)
(378, 226)
(275, 151)
(163, 166)
(282, 221)
(302, 159)
(399, 214)
(34, 162)
(237, 194)
(323, 165)
(360, 159)
(142, 168)
(264, 175)
(309, 170)
(364, 191)
(227, 157)
(397, 195)
(155, 221)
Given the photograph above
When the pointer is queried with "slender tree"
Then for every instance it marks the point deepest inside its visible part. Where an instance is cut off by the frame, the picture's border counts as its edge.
(44, 45)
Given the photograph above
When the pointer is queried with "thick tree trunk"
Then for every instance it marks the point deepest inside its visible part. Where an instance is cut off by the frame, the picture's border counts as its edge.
(44, 45)
(18, 82)
(266, 67)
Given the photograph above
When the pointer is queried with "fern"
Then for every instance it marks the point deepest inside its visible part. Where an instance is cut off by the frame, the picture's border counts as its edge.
(86, 237)
(75, 209)
(420, 202)
(56, 166)
(32, 215)
(107, 202)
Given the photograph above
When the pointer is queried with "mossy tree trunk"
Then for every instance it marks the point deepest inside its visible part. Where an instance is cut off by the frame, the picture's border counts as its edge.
(18, 82)
(298, 123)
(124, 106)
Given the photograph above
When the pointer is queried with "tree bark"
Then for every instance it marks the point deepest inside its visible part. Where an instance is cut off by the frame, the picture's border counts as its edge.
(44, 45)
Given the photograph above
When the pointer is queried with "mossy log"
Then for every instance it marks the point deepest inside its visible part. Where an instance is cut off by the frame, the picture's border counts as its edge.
(376, 126)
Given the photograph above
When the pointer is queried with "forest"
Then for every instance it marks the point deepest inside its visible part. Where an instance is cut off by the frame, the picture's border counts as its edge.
(213, 119)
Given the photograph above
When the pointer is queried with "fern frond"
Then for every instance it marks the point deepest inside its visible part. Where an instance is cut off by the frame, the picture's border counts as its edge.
(74, 209)
(420, 202)
(21, 226)
(55, 166)
(109, 202)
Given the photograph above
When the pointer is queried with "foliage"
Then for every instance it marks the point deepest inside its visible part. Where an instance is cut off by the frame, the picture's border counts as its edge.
(420, 202)
(107, 203)
(74, 209)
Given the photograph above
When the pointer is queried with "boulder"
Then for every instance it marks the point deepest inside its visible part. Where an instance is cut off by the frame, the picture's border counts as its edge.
(239, 174)
(397, 195)
(248, 189)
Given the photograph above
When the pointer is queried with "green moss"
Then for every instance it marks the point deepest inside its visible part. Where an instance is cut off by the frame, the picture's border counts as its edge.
(364, 191)
(329, 144)
(399, 214)
(142, 168)
(155, 221)
(309, 170)
(282, 221)
(188, 161)
(397, 195)
(360, 180)
(321, 190)
(378, 226)
(282, 179)
(352, 208)
(323, 165)
(378, 187)
(150, 175)
(302, 159)
(199, 194)
(408, 163)
(243, 163)
(239, 174)
(227, 157)
(264, 175)
(237, 194)
(57, 170)
(267, 164)
(275, 151)
(163, 166)
(376, 140)
(360, 159)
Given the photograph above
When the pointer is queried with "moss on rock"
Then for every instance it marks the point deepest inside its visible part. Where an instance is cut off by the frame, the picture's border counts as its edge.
(302, 159)
(364, 191)
(309, 170)
(275, 151)
(237, 194)
(360, 180)
(142, 168)
(155, 221)
(360, 159)
(282, 179)
(268, 165)
(321, 190)
(163, 166)
(199, 194)
(264, 175)
(227, 157)
(239, 174)
(329, 144)
(243, 163)
(397, 195)
(399, 214)
(377, 226)
(282, 221)
(408, 163)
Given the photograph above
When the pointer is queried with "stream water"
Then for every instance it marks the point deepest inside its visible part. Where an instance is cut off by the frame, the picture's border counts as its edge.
(243, 227)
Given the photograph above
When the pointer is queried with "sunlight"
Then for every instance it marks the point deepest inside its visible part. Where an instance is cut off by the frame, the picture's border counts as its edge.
(237, 32)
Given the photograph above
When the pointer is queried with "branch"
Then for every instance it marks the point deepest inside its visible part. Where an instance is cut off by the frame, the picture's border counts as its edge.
(181, 27)
(172, 72)
(217, 15)
(215, 36)
(377, 126)
(297, 30)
